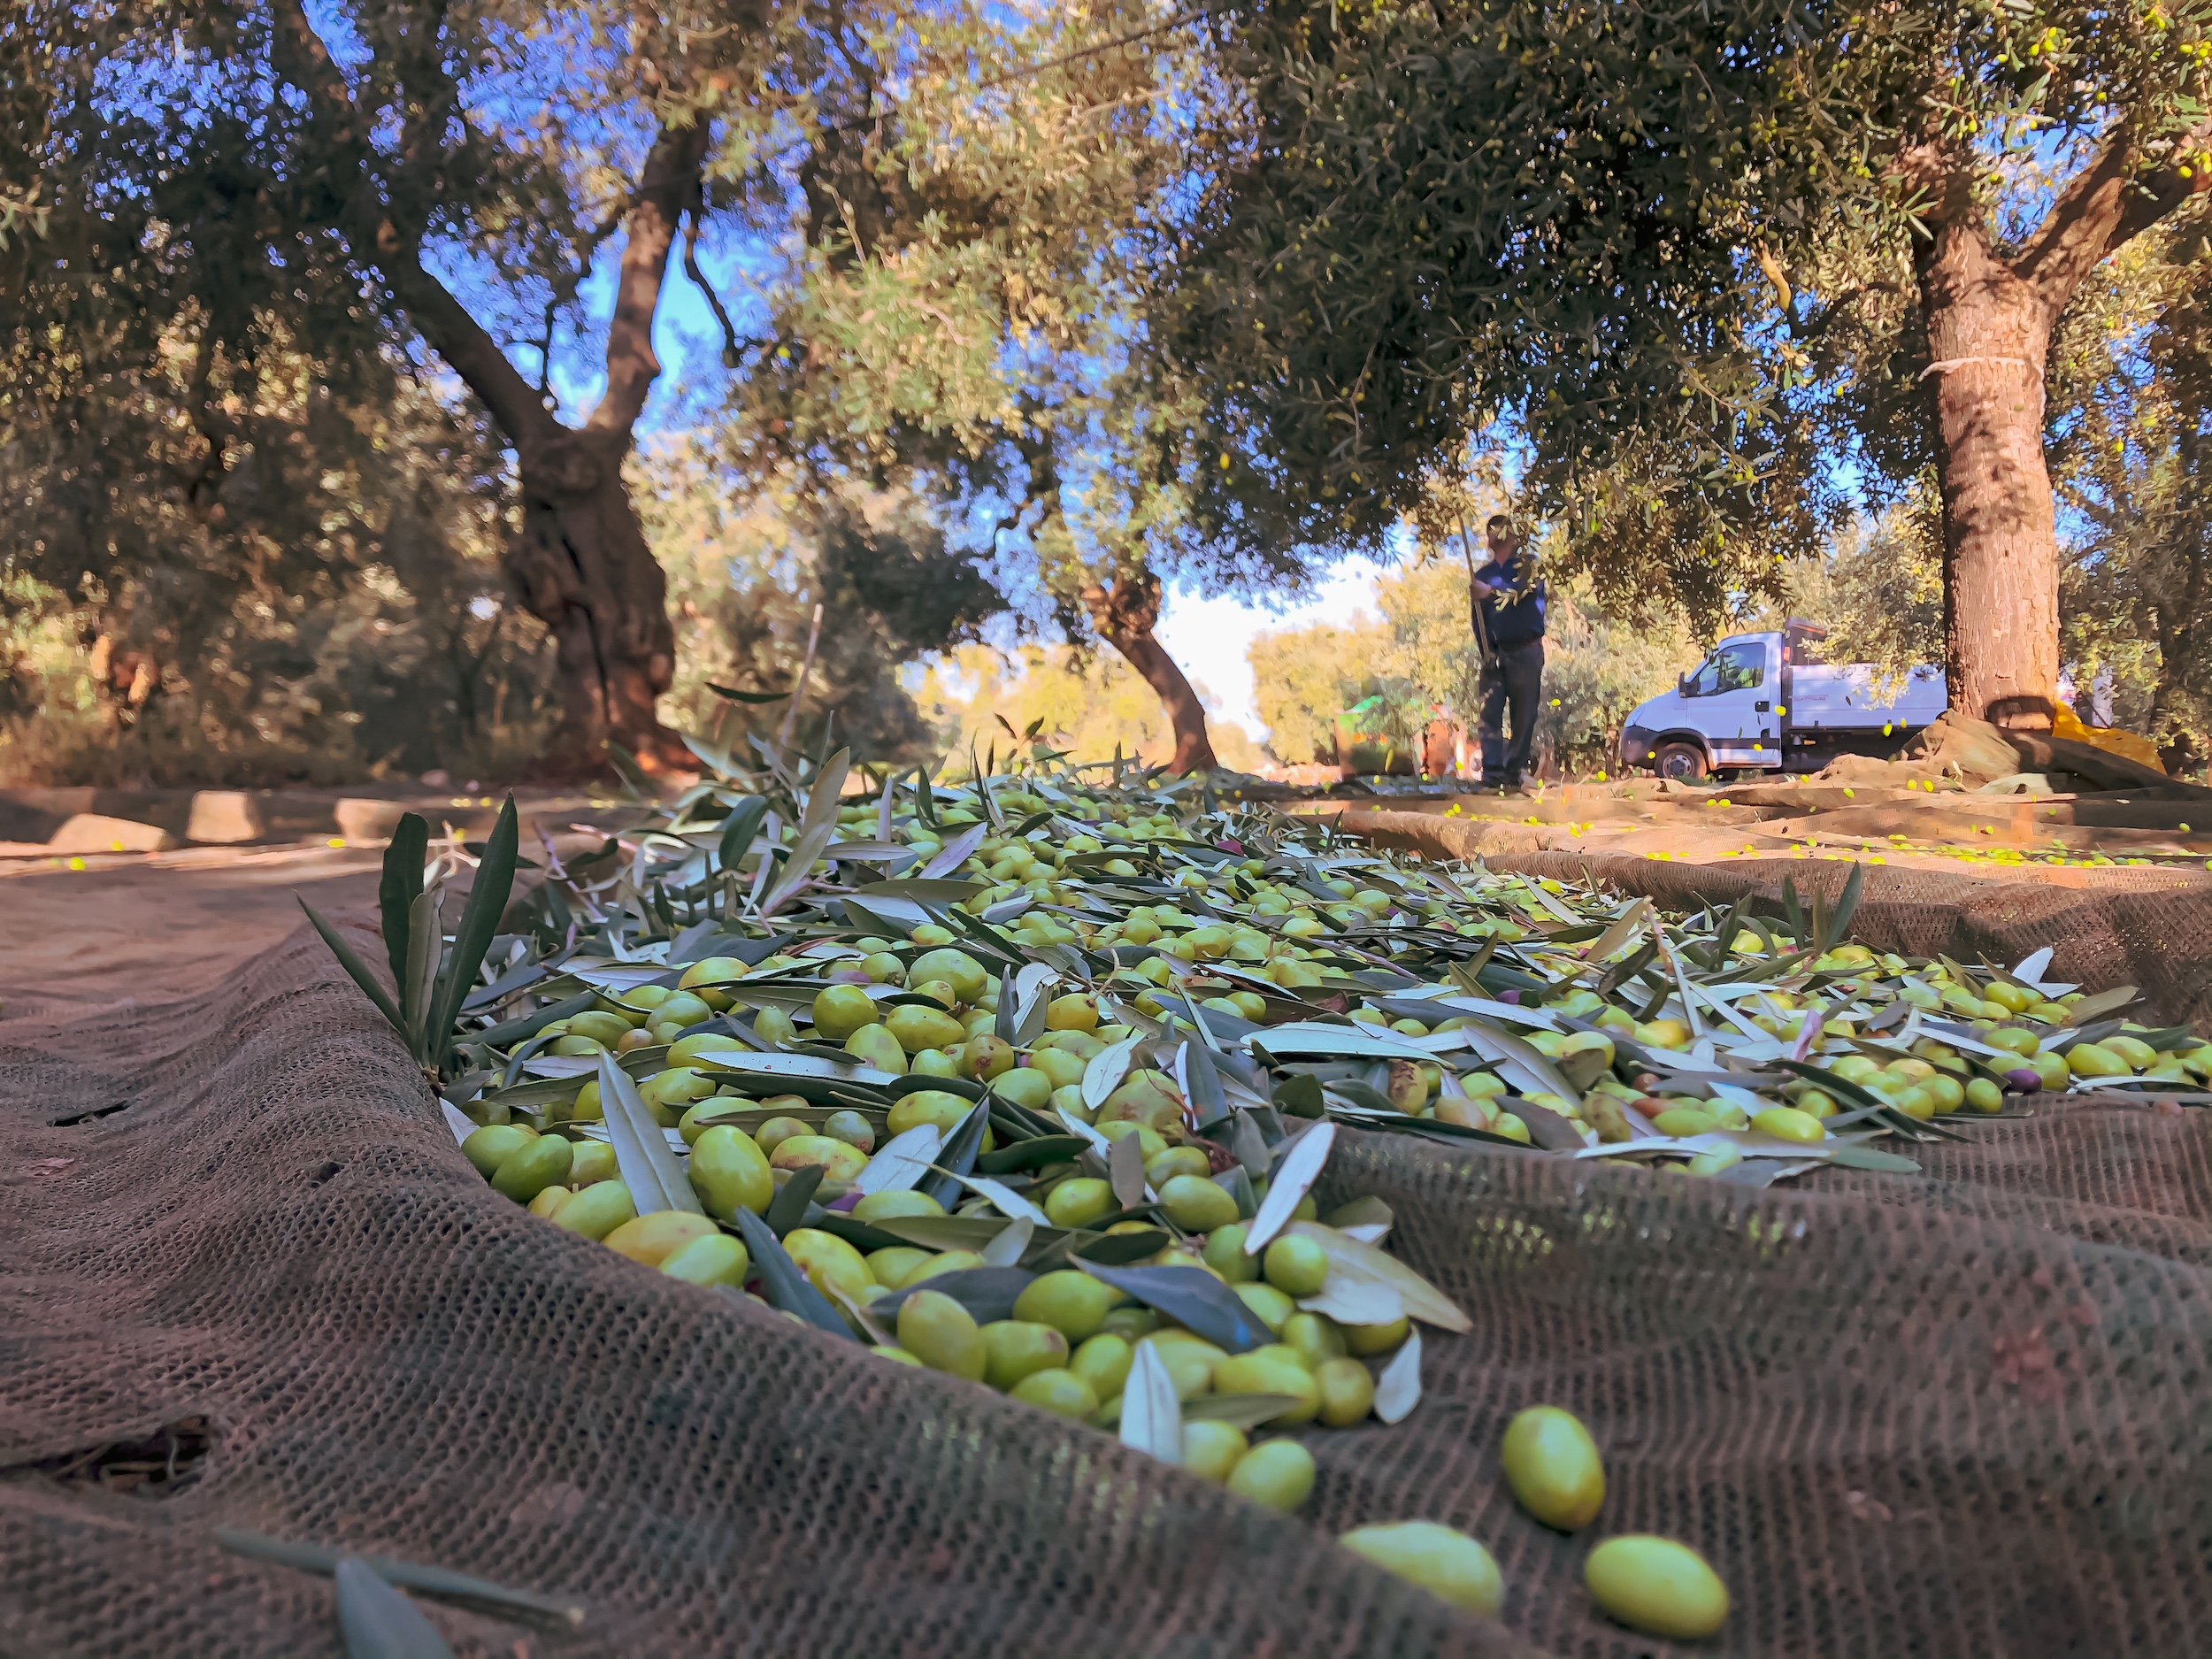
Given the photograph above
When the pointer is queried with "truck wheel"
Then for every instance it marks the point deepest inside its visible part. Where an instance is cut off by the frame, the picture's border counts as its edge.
(1684, 761)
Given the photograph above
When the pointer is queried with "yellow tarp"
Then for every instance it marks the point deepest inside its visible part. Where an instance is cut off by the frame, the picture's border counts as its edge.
(2066, 723)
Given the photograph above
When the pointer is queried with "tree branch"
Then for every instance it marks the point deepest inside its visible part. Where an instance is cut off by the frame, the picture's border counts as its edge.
(733, 348)
(299, 54)
(670, 182)
(2100, 208)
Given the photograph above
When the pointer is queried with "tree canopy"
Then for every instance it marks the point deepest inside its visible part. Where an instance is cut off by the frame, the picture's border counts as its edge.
(1612, 231)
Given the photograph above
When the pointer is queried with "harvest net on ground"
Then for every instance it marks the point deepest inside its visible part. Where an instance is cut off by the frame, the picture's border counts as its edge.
(1911, 1360)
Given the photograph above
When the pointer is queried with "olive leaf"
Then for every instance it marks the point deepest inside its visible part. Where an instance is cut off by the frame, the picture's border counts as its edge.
(787, 1289)
(379, 1622)
(1191, 1297)
(1151, 1416)
(1364, 1263)
(1398, 1389)
(434, 1581)
(649, 1170)
(1299, 1168)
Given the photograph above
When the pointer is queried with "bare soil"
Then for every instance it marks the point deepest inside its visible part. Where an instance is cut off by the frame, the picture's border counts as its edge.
(128, 929)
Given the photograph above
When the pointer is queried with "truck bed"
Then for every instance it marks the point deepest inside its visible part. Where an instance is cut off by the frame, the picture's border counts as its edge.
(1855, 697)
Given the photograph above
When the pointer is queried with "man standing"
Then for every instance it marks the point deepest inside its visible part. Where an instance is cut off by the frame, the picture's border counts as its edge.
(1507, 601)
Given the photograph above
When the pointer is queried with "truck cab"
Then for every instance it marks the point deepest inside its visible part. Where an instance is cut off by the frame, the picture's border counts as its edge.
(1767, 702)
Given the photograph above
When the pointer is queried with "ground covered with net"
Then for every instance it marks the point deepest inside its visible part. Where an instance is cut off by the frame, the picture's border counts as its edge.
(248, 1280)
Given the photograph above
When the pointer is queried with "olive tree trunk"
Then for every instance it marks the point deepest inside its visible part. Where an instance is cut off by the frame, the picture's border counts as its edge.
(1989, 318)
(1125, 617)
(579, 559)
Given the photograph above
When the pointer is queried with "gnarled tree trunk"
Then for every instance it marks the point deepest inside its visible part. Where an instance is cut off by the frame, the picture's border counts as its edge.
(1125, 617)
(579, 560)
(580, 563)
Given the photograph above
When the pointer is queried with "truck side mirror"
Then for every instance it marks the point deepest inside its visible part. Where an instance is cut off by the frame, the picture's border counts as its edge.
(1682, 684)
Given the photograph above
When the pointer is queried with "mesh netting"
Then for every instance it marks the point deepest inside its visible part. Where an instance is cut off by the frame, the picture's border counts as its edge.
(1958, 1413)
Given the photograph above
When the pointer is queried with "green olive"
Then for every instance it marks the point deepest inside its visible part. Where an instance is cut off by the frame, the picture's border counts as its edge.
(1149, 1145)
(653, 1238)
(1657, 1586)
(928, 1106)
(1681, 1121)
(945, 1262)
(838, 1160)
(1060, 1393)
(1178, 1161)
(1060, 1067)
(1295, 1265)
(1553, 1468)
(593, 1162)
(1225, 1254)
(893, 1266)
(1984, 1095)
(2093, 1059)
(1070, 1301)
(896, 1355)
(1014, 1349)
(1273, 1370)
(841, 1010)
(889, 1206)
(918, 1028)
(715, 1259)
(1213, 1449)
(966, 975)
(710, 979)
(1191, 1360)
(1132, 1324)
(850, 1127)
(943, 1334)
(1027, 1088)
(1313, 1336)
(533, 1168)
(606, 1028)
(598, 1210)
(1441, 1561)
(1079, 1202)
(1072, 1012)
(1276, 1473)
(1268, 1304)
(1196, 1205)
(1366, 1340)
(875, 1044)
(1786, 1123)
(774, 1132)
(1148, 1099)
(730, 1173)
(984, 1057)
(1347, 1392)
(835, 1267)
(489, 1147)
(1103, 1362)
(775, 1026)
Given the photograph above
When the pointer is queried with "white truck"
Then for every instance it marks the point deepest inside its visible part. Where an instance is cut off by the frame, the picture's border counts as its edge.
(1767, 702)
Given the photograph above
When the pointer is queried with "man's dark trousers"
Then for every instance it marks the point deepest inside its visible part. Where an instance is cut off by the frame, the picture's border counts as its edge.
(1514, 682)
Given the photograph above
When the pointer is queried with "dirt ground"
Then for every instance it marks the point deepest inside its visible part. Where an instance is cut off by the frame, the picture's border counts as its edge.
(123, 930)
(106, 929)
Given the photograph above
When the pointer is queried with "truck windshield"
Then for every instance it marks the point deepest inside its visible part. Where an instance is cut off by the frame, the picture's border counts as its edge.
(1731, 668)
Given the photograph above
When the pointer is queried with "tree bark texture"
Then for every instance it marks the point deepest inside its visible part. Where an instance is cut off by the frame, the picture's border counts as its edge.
(1988, 336)
(1125, 617)
(1989, 318)
(580, 563)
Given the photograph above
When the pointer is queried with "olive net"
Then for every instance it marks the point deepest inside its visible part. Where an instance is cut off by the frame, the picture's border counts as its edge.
(1962, 1413)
